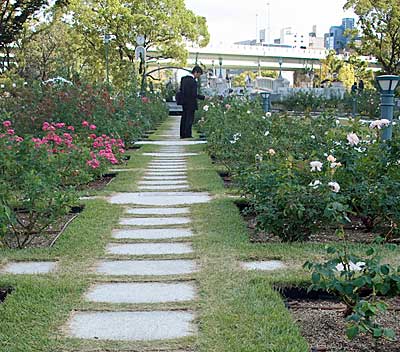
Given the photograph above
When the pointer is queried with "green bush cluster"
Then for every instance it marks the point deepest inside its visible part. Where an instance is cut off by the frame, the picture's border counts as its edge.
(272, 158)
(53, 140)
(367, 103)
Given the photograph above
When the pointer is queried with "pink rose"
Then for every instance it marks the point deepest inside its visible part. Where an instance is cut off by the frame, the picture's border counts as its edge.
(7, 124)
(45, 126)
(85, 123)
(92, 136)
(92, 127)
(71, 128)
(60, 124)
(10, 132)
(94, 163)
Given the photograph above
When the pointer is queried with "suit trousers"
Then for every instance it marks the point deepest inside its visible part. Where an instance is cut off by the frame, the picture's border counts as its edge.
(186, 123)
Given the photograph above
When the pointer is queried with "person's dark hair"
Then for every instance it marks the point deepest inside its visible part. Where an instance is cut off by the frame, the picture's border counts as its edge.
(197, 69)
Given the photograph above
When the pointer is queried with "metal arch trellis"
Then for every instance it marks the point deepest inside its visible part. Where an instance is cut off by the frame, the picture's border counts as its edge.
(165, 68)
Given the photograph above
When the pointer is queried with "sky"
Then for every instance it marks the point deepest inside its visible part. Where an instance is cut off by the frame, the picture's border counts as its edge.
(235, 20)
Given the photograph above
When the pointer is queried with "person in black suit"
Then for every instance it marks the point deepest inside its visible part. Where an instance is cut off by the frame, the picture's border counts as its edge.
(190, 96)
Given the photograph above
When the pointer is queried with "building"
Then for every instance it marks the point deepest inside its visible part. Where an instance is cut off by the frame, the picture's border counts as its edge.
(294, 39)
(337, 40)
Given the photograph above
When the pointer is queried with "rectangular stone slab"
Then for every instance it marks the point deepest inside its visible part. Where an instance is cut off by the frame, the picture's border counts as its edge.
(267, 265)
(163, 173)
(146, 267)
(131, 326)
(149, 248)
(162, 187)
(161, 183)
(169, 155)
(170, 169)
(170, 178)
(141, 292)
(152, 234)
(154, 221)
(157, 211)
(167, 167)
(168, 162)
(29, 268)
(160, 198)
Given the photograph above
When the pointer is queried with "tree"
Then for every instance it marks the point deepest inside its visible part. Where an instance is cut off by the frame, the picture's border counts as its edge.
(14, 14)
(165, 24)
(52, 50)
(379, 21)
(331, 66)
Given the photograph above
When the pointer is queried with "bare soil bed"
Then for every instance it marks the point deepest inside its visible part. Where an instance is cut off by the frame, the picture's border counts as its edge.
(320, 317)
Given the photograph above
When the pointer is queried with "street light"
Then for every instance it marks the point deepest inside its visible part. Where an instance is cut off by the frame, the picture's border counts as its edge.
(280, 62)
(387, 85)
(106, 39)
(220, 67)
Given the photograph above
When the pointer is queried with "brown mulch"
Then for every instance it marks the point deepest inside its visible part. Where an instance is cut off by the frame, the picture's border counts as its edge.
(324, 327)
(100, 183)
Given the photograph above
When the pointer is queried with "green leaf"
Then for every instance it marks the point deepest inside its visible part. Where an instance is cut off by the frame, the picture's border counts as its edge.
(316, 277)
(385, 269)
(389, 333)
(377, 332)
(352, 332)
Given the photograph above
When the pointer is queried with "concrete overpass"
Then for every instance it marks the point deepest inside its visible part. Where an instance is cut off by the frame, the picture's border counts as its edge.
(254, 57)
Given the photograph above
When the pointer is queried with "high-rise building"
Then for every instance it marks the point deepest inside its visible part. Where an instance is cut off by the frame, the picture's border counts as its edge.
(337, 40)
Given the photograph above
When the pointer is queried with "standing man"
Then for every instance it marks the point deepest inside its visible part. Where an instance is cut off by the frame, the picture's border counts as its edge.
(190, 96)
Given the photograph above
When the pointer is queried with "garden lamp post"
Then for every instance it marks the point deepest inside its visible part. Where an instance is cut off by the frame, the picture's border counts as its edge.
(280, 62)
(106, 40)
(387, 85)
(265, 96)
(220, 67)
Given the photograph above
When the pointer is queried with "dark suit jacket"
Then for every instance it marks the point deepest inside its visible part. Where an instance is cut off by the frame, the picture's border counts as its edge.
(189, 90)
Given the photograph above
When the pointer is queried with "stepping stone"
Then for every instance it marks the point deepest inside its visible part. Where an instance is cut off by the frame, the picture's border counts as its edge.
(168, 155)
(131, 326)
(172, 167)
(146, 292)
(149, 248)
(159, 183)
(152, 234)
(146, 267)
(268, 265)
(167, 161)
(165, 178)
(163, 187)
(167, 171)
(169, 164)
(29, 268)
(171, 142)
(158, 211)
(157, 173)
(154, 221)
(160, 198)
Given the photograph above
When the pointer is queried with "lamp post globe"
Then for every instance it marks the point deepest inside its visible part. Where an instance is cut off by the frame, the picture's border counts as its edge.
(387, 85)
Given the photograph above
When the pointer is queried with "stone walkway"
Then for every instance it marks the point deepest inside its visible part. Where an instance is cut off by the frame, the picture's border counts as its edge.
(153, 244)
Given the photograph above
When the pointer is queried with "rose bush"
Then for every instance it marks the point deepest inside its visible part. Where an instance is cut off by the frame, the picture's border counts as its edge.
(122, 115)
(302, 173)
(40, 175)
